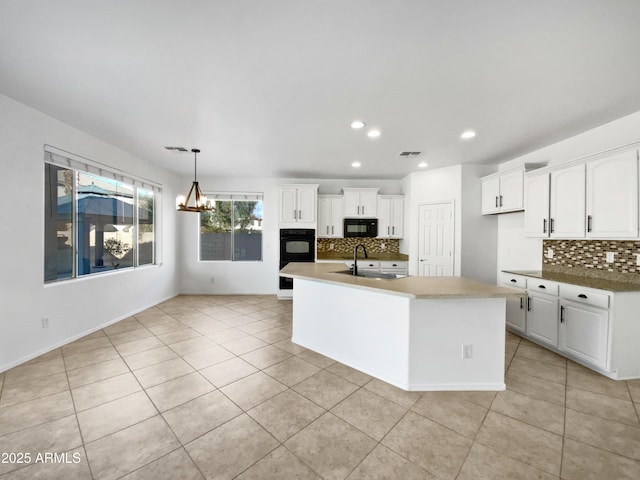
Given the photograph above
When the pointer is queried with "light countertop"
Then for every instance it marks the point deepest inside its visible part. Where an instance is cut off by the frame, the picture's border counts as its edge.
(580, 280)
(412, 287)
(345, 257)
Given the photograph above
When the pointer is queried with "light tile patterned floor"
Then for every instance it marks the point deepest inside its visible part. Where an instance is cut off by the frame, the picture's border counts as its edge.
(211, 387)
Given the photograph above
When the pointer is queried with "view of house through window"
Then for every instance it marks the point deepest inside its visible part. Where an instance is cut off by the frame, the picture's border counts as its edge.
(95, 224)
(233, 229)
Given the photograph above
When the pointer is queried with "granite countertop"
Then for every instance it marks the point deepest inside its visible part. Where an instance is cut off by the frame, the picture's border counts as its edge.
(412, 287)
(581, 280)
(345, 257)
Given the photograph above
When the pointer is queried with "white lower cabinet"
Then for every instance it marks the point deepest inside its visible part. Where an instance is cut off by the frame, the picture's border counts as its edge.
(583, 332)
(542, 318)
(516, 307)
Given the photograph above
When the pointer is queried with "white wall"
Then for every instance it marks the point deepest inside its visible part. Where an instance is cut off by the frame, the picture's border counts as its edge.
(248, 277)
(73, 307)
(514, 250)
(474, 234)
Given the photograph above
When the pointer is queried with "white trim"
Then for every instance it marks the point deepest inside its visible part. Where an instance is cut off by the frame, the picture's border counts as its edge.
(72, 161)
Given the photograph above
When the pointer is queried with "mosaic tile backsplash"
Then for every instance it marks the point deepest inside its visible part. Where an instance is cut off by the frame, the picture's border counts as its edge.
(591, 254)
(345, 246)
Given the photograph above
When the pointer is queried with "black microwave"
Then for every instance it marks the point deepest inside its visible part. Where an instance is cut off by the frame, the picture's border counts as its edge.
(360, 227)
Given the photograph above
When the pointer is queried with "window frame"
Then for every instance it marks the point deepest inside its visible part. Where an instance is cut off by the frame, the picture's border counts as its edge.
(231, 197)
(80, 165)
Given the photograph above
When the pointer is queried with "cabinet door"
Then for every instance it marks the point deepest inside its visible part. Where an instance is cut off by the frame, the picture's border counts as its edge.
(336, 217)
(384, 217)
(288, 205)
(567, 207)
(511, 191)
(324, 216)
(307, 204)
(583, 332)
(612, 197)
(368, 204)
(490, 195)
(536, 206)
(397, 217)
(516, 313)
(351, 204)
(542, 318)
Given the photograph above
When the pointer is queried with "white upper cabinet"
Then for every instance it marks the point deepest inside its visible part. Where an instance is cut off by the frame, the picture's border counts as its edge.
(297, 206)
(612, 196)
(536, 205)
(567, 203)
(330, 216)
(503, 192)
(360, 202)
(390, 216)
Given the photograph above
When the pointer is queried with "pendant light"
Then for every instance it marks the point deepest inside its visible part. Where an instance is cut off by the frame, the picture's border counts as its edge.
(201, 203)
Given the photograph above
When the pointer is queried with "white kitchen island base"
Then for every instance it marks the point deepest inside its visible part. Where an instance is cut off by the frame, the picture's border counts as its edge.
(413, 343)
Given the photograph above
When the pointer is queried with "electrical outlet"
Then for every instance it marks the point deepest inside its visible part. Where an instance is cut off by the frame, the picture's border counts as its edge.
(611, 257)
(549, 252)
(383, 246)
(638, 259)
(45, 322)
(331, 245)
(467, 351)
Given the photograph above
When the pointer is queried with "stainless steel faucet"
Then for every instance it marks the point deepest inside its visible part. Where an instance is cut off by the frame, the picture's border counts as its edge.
(355, 257)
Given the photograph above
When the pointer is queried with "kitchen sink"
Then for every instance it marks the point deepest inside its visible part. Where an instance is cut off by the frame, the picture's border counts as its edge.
(370, 274)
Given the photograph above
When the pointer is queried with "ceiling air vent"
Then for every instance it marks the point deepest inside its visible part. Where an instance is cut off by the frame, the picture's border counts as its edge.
(409, 154)
(177, 149)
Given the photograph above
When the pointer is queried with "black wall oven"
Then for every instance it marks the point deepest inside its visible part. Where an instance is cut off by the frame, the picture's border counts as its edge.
(296, 245)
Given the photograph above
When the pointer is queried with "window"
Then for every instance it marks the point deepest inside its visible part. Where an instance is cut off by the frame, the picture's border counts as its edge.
(232, 231)
(95, 220)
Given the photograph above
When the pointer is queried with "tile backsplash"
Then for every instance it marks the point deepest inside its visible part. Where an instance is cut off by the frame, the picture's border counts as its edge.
(345, 246)
(591, 254)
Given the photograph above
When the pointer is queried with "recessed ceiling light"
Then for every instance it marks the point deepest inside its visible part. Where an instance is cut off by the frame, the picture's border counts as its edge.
(357, 124)
(356, 164)
(423, 164)
(467, 134)
(373, 133)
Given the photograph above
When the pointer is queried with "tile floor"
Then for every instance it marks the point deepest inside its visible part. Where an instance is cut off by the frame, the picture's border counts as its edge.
(212, 387)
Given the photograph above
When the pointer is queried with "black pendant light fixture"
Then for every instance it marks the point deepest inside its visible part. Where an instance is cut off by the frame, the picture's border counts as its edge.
(200, 202)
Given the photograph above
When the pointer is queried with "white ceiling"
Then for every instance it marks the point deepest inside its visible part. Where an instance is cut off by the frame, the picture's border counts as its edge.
(269, 88)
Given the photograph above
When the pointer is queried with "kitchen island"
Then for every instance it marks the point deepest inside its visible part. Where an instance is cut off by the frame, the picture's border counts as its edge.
(417, 333)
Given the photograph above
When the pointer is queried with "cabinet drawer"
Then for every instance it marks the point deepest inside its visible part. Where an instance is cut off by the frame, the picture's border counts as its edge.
(584, 295)
(392, 265)
(513, 280)
(544, 286)
(364, 264)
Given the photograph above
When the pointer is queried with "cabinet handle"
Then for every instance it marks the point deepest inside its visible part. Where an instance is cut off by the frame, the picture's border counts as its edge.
(394, 264)
(582, 295)
(331, 229)
(299, 214)
(496, 201)
(363, 210)
(528, 304)
(542, 286)
(513, 280)
(393, 230)
(295, 214)
(327, 229)
(551, 225)
(500, 200)
(521, 303)
(544, 225)
(561, 314)
(589, 223)
(358, 209)
(387, 230)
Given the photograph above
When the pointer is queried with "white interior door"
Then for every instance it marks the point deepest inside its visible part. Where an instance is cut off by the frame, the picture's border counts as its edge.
(435, 240)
